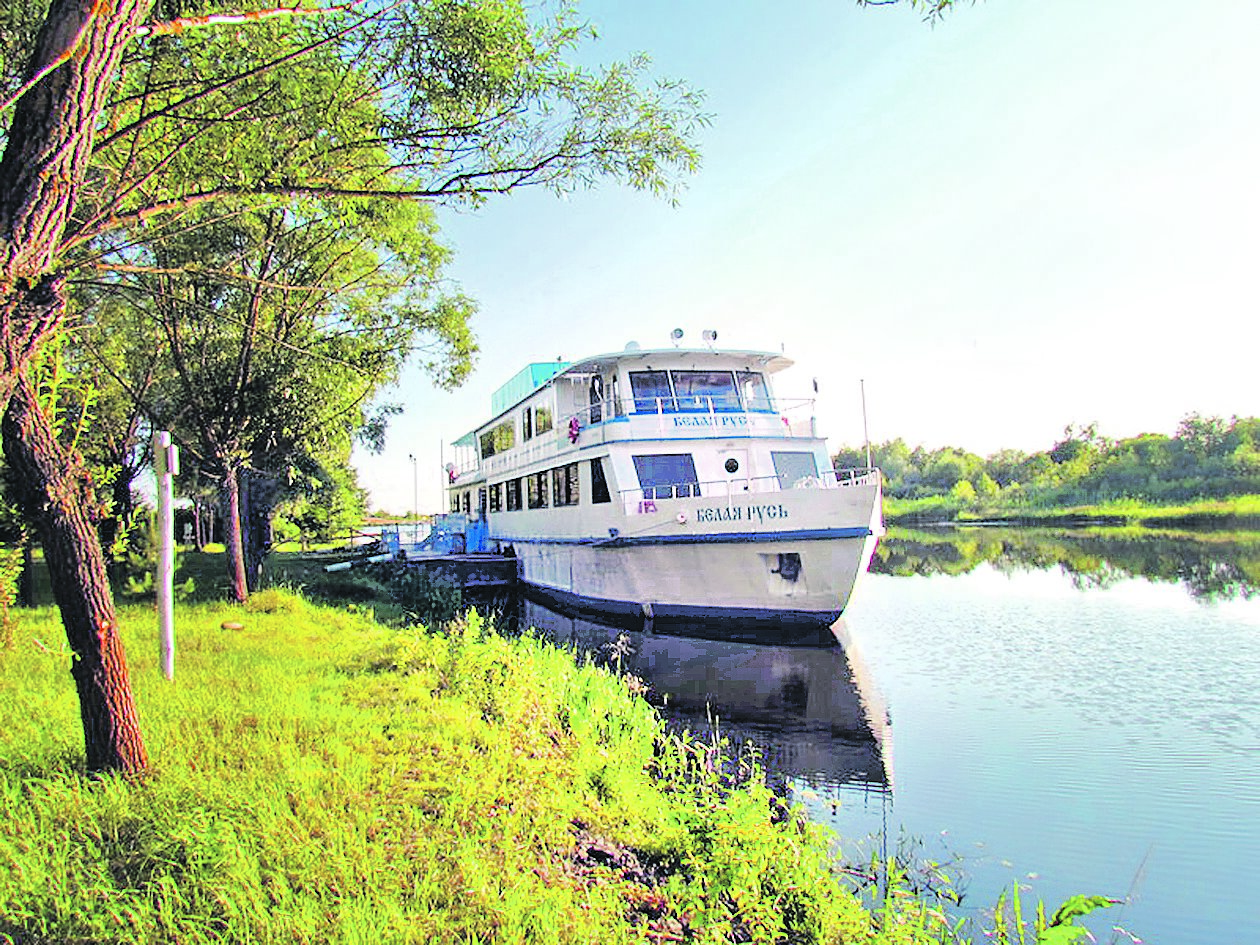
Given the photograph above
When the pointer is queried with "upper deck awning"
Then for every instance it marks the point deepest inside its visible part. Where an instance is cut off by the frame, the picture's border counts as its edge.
(666, 358)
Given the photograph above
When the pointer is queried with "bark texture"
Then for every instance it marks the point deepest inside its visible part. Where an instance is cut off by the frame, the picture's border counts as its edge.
(42, 171)
(234, 544)
(54, 491)
(50, 138)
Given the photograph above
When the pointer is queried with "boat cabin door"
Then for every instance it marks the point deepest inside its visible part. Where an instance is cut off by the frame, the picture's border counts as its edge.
(734, 466)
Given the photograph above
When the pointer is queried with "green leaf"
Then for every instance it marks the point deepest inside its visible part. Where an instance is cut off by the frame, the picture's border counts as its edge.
(1078, 906)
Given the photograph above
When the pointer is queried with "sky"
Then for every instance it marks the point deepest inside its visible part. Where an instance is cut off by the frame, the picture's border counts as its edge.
(1027, 215)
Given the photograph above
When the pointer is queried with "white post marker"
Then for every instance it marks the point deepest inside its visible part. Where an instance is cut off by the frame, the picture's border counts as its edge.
(166, 465)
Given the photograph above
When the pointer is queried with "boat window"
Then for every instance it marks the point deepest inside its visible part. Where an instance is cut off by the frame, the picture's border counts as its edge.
(667, 476)
(597, 399)
(564, 485)
(542, 420)
(700, 390)
(467, 502)
(496, 497)
(753, 390)
(527, 423)
(513, 494)
(536, 490)
(498, 439)
(454, 502)
(649, 387)
(483, 499)
(791, 468)
(599, 484)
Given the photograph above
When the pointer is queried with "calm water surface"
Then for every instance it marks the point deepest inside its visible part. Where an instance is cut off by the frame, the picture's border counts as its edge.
(1069, 712)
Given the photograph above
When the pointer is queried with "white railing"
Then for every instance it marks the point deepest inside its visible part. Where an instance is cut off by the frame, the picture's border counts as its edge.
(781, 418)
(643, 499)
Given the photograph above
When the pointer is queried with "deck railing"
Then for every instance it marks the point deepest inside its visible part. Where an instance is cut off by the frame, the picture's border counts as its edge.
(643, 499)
(796, 419)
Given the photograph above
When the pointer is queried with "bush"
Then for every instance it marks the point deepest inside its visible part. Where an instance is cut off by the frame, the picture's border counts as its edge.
(426, 598)
(10, 573)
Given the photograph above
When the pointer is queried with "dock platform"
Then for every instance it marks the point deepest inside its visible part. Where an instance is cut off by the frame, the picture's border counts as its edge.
(478, 569)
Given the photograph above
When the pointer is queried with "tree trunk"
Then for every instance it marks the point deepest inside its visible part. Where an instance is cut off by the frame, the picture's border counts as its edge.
(199, 542)
(260, 502)
(54, 491)
(232, 534)
(50, 136)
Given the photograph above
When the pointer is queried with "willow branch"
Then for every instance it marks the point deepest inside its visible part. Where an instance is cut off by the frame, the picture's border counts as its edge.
(466, 184)
(184, 23)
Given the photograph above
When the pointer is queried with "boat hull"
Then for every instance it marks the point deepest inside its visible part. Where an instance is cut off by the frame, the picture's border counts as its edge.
(742, 579)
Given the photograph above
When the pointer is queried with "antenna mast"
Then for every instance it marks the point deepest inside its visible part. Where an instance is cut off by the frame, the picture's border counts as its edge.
(865, 433)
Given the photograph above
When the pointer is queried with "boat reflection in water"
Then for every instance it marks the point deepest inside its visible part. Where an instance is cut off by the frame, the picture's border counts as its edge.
(811, 716)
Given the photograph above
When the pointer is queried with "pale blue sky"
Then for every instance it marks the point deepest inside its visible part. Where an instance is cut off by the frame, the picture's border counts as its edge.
(1032, 214)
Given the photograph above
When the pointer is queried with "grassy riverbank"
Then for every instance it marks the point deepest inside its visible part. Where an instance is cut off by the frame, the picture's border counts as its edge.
(321, 778)
(1239, 513)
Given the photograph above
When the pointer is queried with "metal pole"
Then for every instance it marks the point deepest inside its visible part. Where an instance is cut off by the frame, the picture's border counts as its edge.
(415, 500)
(166, 465)
(865, 433)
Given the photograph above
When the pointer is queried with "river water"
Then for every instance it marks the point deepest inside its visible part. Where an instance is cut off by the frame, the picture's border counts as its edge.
(1065, 711)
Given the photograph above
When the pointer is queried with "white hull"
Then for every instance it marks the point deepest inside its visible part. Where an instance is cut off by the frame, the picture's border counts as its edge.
(701, 581)
(724, 557)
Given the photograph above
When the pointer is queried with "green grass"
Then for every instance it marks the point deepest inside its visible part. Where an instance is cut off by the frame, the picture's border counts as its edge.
(320, 778)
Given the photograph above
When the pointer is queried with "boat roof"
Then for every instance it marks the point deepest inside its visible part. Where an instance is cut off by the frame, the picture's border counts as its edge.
(533, 377)
(767, 360)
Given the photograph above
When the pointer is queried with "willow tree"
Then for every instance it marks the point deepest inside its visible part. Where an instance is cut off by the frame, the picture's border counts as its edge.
(104, 101)
(264, 338)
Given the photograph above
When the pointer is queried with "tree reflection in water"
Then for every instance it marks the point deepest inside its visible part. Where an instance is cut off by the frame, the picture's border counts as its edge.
(1210, 566)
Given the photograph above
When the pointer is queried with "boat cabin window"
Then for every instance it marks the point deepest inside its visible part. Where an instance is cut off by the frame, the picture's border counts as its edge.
(753, 390)
(791, 468)
(454, 502)
(496, 497)
(498, 439)
(466, 502)
(564, 485)
(667, 476)
(599, 484)
(513, 490)
(536, 490)
(597, 399)
(483, 500)
(527, 424)
(649, 387)
(542, 420)
(702, 390)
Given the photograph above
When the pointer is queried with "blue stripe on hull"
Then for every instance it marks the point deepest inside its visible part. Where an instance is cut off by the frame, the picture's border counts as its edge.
(810, 534)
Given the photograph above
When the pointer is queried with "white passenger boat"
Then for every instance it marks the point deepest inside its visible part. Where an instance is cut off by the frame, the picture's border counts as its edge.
(667, 483)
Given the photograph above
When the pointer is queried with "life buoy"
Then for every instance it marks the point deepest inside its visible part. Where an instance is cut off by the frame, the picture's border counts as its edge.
(575, 429)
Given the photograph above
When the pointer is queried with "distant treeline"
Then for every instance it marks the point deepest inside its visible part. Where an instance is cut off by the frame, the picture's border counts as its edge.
(1207, 458)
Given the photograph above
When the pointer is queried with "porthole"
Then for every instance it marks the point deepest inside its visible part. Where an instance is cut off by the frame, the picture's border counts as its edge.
(732, 465)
